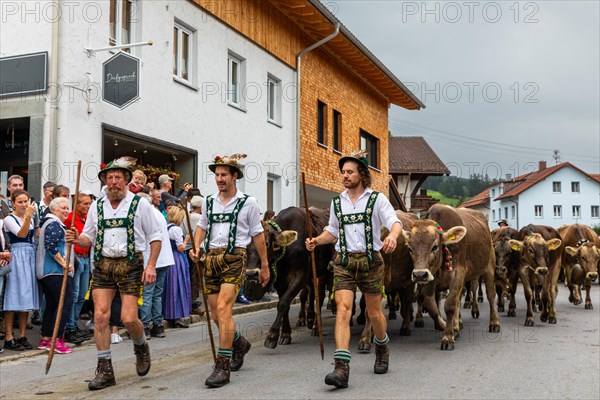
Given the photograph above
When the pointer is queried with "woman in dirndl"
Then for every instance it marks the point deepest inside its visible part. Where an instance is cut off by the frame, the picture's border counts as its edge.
(177, 296)
(21, 289)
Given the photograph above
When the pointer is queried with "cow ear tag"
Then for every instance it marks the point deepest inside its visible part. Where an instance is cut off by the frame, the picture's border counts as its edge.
(551, 247)
(452, 237)
(515, 247)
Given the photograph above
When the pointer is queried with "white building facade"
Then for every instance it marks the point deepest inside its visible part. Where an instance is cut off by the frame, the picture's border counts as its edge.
(204, 90)
(564, 195)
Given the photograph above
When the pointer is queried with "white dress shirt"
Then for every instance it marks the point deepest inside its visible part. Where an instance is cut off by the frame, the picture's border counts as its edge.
(248, 222)
(165, 257)
(145, 227)
(383, 215)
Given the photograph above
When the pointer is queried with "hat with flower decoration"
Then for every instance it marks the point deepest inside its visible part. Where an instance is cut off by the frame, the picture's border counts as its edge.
(124, 164)
(228, 161)
(359, 157)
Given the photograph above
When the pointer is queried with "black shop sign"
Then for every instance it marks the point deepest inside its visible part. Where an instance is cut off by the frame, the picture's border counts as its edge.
(121, 80)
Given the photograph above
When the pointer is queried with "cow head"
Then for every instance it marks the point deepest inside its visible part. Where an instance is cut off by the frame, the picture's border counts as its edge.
(275, 241)
(588, 257)
(503, 253)
(535, 251)
(424, 242)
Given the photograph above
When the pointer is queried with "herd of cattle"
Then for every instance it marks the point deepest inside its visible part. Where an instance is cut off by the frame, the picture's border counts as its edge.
(449, 253)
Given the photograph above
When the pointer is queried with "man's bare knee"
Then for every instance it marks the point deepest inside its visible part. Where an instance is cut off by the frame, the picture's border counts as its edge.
(101, 319)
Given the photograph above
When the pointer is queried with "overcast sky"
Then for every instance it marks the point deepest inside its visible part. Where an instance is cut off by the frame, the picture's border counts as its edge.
(505, 82)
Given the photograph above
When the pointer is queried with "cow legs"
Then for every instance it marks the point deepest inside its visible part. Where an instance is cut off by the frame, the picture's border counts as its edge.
(480, 291)
(391, 302)
(491, 293)
(469, 295)
(362, 319)
(310, 311)
(513, 290)
(475, 307)
(302, 313)
(406, 299)
(451, 307)
(588, 299)
(364, 344)
(419, 322)
(527, 290)
(550, 290)
(500, 298)
(283, 308)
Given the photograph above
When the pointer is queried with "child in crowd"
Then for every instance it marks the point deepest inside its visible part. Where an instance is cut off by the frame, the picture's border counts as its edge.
(177, 291)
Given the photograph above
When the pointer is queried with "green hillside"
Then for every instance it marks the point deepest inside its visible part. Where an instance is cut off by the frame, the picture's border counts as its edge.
(451, 201)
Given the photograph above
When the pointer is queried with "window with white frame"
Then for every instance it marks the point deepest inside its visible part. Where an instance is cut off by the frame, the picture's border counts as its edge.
(576, 211)
(499, 213)
(575, 187)
(538, 211)
(556, 187)
(493, 193)
(595, 211)
(235, 77)
(513, 211)
(273, 99)
(273, 192)
(493, 215)
(121, 18)
(557, 211)
(182, 52)
(506, 212)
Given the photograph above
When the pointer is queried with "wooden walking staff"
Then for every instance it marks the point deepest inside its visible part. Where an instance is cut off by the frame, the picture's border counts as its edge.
(314, 271)
(63, 288)
(201, 279)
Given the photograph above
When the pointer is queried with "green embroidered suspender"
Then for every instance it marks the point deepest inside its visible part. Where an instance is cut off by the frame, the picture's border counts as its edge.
(224, 218)
(358, 218)
(110, 223)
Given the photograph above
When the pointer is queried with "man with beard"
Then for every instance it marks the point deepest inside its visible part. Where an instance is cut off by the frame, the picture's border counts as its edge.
(120, 227)
(355, 222)
(230, 219)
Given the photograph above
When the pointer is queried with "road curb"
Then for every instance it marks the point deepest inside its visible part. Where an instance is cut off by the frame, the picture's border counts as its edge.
(194, 319)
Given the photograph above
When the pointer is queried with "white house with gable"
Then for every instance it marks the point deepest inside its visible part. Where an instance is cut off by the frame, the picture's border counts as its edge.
(559, 195)
(204, 90)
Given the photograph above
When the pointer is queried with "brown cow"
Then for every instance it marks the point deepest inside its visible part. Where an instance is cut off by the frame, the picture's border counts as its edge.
(580, 260)
(397, 279)
(508, 268)
(540, 250)
(467, 237)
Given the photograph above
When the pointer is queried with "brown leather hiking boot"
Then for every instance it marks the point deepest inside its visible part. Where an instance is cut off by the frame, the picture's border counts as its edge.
(220, 374)
(142, 359)
(339, 376)
(239, 350)
(105, 375)
(382, 359)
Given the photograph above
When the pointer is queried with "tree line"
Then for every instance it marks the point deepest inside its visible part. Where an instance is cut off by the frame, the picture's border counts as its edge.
(455, 187)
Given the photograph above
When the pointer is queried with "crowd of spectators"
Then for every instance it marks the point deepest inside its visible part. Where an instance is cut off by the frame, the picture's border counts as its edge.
(33, 256)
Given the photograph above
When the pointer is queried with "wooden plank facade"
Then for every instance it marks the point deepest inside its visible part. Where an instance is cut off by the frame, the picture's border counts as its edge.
(341, 74)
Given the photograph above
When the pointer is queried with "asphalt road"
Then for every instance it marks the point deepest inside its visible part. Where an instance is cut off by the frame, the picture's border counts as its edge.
(541, 362)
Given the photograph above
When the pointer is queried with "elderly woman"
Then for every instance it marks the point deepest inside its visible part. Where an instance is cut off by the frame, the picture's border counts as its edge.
(50, 267)
(21, 290)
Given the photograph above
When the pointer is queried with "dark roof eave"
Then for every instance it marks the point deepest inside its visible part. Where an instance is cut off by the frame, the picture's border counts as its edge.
(333, 19)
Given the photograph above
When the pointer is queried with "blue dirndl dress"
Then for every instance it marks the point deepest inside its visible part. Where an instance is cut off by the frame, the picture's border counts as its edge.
(177, 294)
(21, 287)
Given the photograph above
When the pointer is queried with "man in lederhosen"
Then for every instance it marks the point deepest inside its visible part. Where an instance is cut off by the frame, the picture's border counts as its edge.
(355, 222)
(230, 219)
(119, 226)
